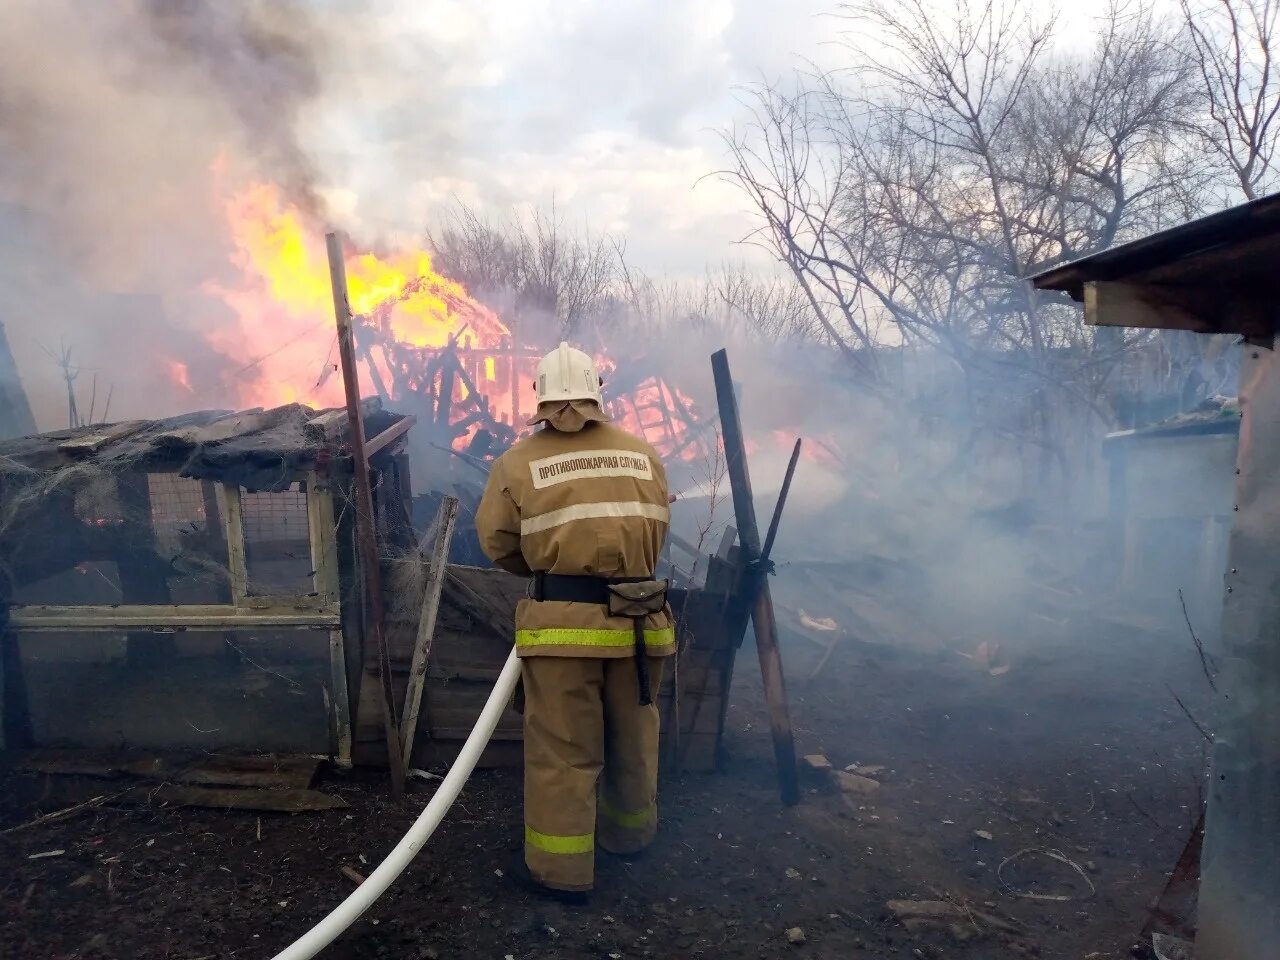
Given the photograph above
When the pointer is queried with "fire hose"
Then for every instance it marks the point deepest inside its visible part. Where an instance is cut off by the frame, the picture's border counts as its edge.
(364, 896)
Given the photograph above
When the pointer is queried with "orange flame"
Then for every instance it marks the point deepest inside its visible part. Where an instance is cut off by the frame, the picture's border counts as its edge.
(286, 330)
(285, 301)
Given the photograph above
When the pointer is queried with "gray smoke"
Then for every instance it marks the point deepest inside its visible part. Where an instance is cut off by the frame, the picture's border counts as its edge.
(124, 127)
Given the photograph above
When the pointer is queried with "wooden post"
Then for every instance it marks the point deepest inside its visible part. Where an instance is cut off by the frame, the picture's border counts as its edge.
(366, 533)
(427, 624)
(233, 533)
(772, 535)
(516, 373)
(325, 580)
(15, 724)
(140, 569)
(762, 615)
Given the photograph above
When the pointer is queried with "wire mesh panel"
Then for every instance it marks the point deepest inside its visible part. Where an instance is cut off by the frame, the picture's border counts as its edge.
(188, 536)
(243, 689)
(125, 538)
(277, 542)
(178, 504)
(68, 543)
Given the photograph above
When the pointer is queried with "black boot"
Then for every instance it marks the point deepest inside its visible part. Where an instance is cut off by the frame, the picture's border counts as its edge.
(520, 873)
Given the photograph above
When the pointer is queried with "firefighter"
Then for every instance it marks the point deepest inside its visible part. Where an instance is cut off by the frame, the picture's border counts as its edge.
(581, 508)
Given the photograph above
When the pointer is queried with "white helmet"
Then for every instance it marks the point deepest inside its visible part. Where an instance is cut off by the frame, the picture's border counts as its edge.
(567, 374)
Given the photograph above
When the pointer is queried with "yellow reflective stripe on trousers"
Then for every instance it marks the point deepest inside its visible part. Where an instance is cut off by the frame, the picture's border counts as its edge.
(583, 843)
(631, 821)
(591, 637)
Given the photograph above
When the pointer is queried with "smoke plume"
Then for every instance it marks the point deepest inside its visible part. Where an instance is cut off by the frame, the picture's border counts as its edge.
(125, 126)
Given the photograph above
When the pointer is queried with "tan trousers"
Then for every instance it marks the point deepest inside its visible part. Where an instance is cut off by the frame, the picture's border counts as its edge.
(582, 718)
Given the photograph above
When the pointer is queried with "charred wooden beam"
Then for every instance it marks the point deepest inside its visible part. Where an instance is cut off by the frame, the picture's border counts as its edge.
(757, 585)
(366, 531)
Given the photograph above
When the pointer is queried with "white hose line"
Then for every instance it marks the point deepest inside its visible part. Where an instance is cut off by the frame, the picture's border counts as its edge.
(363, 897)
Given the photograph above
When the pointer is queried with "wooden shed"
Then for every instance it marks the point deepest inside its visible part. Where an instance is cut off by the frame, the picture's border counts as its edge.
(192, 584)
(1170, 492)
(1218, 275)
(471, 642)
(189, 583)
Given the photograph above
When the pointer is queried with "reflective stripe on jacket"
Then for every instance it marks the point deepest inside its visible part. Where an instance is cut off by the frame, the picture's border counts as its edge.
(592, 502)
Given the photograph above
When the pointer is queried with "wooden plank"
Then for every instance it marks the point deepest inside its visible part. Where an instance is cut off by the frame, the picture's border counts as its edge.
(377, 444)
(471, 603)
(324, 539)
(168, 616)
(270, 773)
(462, 731)
(90, 443)
(726, 541)
(15, 723)
(322, 533)
(706, 720)
(1110, 303)
(437, 565)
(762, 615)
(697, 751)
(678, 541)
(497, 754)
(230, 798)
(365, 523)
(283, 772)
(464, 672)
(238, 424)
(233, 524)
(341, 699)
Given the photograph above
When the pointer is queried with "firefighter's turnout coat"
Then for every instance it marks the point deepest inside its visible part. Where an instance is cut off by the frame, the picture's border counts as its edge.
(582, 498)
(590, 502)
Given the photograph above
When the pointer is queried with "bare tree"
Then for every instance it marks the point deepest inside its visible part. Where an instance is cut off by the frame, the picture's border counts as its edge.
(540, 273)
(566, 275)
(774, 307)
(911, 192)
(1233, 46)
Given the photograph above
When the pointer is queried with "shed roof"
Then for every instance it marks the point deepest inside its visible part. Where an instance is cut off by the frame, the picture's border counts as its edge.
(257, 449)
(1216, 415)
(1234, 246)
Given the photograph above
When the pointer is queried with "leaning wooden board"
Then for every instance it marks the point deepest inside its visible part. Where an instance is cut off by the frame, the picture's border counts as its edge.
(472, 640)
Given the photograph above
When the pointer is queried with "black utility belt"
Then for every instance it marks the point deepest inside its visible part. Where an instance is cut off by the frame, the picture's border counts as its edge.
(566, 588)
(636, 598)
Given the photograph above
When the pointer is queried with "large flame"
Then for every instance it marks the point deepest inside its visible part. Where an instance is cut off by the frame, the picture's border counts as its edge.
(285, 303)
(287, 339)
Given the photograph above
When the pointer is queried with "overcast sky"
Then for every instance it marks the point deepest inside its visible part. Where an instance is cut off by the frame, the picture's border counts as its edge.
(390, 109)
(612, 108)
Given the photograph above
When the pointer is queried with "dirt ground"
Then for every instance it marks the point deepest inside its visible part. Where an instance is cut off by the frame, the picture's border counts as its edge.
(1079, 748)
